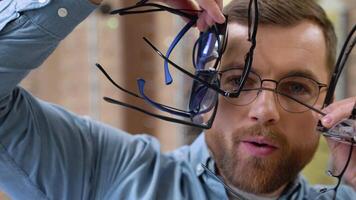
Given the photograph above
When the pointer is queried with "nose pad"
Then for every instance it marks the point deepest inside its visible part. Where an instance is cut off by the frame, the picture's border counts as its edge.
(272, 84)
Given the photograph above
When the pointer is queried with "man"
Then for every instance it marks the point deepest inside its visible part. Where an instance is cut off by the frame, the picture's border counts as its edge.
(257, 149)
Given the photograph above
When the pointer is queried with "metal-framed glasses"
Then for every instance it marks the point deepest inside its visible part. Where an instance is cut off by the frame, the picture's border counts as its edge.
(294, 93)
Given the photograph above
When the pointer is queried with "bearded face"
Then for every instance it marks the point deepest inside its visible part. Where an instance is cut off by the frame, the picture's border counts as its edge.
(278, 163)
(260, 147)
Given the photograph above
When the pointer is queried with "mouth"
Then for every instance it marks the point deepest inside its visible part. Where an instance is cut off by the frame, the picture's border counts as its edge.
(258, 146)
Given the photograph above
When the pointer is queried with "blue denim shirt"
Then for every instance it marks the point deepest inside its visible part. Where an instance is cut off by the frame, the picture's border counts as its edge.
(47, 152)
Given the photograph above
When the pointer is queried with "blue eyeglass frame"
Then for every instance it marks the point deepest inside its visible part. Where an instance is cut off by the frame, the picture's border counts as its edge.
(210, 84)
(168, 79)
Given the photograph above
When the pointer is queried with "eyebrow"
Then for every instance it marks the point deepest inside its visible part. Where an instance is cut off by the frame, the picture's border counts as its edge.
(295, 72)
(302, 72)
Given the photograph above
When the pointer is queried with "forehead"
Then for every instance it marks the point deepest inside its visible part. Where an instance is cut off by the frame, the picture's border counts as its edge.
(279, 50)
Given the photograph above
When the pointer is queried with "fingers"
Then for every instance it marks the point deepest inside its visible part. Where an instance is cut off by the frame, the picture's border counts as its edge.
(182, 4)
(213, 8)
(337, 111)
(211, 11)
(204, 21)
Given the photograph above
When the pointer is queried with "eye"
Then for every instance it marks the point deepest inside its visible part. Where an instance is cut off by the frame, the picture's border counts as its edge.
(295, 89)
(233, 82)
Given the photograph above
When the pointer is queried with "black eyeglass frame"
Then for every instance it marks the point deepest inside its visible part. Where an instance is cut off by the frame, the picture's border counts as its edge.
(217, 29)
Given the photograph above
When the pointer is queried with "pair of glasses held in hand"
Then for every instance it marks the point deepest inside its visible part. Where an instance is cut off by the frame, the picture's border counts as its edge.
(207, 53)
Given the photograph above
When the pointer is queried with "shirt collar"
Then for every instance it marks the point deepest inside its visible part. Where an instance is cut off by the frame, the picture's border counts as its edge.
(200, 155)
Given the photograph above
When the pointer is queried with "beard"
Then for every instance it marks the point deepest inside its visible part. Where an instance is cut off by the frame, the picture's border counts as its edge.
(262, 175)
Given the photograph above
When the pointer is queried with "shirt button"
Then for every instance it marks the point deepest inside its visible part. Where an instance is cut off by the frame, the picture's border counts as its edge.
(62, 12)
(199, 169)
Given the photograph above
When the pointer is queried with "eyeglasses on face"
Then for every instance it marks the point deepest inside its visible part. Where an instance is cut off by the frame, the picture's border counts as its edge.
(290, 91)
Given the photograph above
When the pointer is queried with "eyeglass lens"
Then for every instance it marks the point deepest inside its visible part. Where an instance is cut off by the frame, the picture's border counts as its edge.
(288, 89)
(209, 47)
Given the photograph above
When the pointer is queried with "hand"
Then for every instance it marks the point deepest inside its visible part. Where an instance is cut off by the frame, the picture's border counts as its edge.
(211, 10)
(340, 151)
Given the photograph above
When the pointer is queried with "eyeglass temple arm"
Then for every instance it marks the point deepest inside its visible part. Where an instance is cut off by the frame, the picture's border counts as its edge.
(213, 87)
(141, 87)
(304, 104)
(162, 117)
(168, 77)
(249, 56)
(140, 11)
(101, 68)
(157, 7)
(343, 56)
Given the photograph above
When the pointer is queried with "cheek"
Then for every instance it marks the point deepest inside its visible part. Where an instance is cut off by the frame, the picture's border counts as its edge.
(228, 119)
(228, 115)
(302, 128)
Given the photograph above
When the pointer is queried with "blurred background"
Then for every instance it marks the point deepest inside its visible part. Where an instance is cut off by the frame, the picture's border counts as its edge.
(69, 77)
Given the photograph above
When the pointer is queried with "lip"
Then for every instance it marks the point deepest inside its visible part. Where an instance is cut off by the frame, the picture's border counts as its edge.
(258, 146)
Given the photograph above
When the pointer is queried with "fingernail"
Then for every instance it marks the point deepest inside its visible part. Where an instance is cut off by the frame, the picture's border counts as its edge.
(326, 120)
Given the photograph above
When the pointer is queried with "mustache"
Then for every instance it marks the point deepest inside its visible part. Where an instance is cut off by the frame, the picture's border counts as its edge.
(260, 130)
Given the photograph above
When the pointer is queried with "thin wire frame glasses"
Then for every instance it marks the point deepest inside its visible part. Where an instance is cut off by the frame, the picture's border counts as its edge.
(289, 90)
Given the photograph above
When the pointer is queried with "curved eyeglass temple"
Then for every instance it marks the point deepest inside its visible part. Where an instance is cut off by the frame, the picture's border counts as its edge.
(156, 8)
(340, 64)
(168, 77)
(167, 74)
(207, 84)
(141, 87)
(207, 125)
(101, 68)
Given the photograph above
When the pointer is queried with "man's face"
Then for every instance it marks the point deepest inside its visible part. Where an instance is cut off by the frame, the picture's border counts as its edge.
(260, 147)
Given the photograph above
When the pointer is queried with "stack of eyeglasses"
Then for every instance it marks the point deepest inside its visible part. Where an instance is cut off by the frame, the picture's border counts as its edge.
(207, 53)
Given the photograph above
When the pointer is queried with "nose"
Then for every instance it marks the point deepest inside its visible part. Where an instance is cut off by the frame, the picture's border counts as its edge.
(264, 109)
